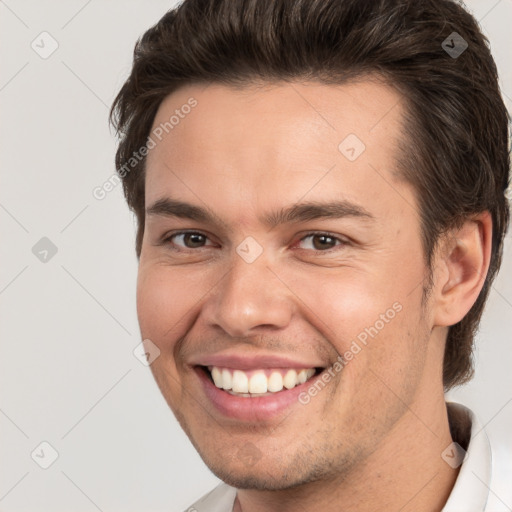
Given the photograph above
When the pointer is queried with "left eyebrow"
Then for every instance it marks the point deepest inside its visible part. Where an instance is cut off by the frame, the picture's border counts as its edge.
(302, 212)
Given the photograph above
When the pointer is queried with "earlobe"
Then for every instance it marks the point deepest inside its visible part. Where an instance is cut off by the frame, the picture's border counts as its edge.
(465, 258)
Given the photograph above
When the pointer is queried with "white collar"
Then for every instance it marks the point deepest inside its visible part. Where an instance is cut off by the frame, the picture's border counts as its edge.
(471, 490)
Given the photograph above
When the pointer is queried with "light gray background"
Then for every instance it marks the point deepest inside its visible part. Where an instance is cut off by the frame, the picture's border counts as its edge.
(69, 326)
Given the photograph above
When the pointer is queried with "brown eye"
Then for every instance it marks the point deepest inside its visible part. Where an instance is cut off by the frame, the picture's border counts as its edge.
(321, 241)
(193, 240)
(188, 240)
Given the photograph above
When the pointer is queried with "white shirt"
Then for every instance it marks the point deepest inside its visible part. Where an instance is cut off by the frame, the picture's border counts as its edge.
(469, 494)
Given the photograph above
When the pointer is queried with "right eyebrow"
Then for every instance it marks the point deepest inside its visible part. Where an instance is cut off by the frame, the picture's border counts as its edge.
(167, 207)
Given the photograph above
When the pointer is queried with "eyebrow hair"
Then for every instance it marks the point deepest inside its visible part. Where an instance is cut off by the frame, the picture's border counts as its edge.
(301, 212)
(314, 210)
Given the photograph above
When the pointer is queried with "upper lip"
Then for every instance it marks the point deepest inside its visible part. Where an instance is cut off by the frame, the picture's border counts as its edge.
(251, 362)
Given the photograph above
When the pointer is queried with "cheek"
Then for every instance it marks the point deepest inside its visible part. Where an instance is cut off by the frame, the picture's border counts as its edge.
(371, 320)
(165, 307)
(165, 300)
(343, 304)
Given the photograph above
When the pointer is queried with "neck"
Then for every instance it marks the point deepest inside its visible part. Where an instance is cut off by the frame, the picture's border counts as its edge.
(406, 472)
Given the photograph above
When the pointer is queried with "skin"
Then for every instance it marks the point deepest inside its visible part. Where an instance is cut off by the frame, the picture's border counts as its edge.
(373, 437)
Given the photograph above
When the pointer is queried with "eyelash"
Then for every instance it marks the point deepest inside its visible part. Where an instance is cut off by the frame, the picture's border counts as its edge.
(342, 243)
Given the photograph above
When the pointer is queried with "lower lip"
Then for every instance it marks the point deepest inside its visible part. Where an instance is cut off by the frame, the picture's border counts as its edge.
(252, 409)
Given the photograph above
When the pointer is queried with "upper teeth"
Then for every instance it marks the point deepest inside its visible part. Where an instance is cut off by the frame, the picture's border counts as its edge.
(259, 381)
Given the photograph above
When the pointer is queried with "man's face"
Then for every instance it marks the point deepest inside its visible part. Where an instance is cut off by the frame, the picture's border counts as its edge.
(253, 300)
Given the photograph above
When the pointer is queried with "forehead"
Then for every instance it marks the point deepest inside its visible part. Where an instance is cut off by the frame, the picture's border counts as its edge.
(273, 144)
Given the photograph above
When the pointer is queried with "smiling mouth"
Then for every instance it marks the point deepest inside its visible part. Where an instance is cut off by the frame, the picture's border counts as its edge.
(258, 382)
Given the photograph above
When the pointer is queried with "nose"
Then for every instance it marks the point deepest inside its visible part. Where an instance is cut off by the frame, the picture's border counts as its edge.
(250, 297)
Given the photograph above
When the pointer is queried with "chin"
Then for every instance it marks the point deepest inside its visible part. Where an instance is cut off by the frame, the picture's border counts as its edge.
(261, 480)
(269, 474)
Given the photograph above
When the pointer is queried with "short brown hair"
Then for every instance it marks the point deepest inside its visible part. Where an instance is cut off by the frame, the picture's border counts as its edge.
(456, 154)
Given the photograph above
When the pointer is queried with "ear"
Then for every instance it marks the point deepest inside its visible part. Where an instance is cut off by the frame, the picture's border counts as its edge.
(461, 268)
